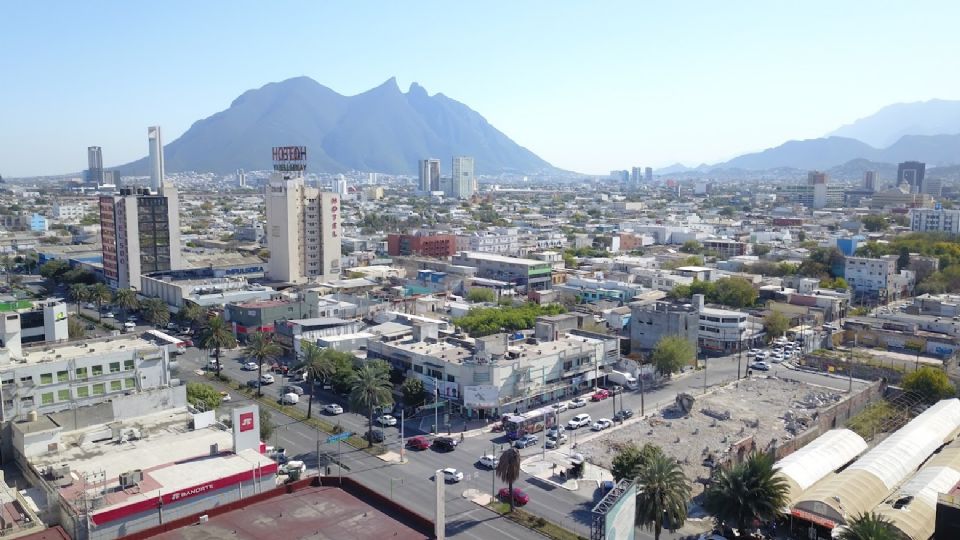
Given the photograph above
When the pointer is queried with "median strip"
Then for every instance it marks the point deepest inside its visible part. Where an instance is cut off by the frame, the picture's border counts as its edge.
(532, 522)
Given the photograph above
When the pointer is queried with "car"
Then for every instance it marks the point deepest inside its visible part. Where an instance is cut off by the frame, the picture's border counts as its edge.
(615, 390)
(600, 395)
(525, 441)
(576, 403)
(171, 326)
(267, 378)
(489, 461)
(579, 421)
(293, 467)
(91, 326)
(452, 476)
(212, 364)
(553, 442)
(290, 399)
(554, 431)
(559, 407)
(520, 497)
(132, 318)
(333, 408)
(108, 315)
(754, 352)
(293, 389)
(760, 366)
(445, 444)
(761, 355)
(607, 486)
(374, 436)
(418, 443)
(277, 454)
(253, 383)
(386, 420)
(777, 357)
(282, 369)
(250, 366)
(225, 397)
(90, 305)
(623, 414)
(601, 424)
(129, 326)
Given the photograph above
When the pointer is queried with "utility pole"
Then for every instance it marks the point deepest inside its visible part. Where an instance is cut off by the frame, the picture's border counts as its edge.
(493, 473)
(850, 366)
(436, 407)
(402, 459)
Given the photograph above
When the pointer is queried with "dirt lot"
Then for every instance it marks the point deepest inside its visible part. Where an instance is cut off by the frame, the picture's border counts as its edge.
(761, 411)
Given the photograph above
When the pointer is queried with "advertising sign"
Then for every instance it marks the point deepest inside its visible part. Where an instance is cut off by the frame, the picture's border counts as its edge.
(621, 517)
(246, 427)
(481, 396)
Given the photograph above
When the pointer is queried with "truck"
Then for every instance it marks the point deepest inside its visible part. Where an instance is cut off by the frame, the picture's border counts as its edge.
(623, 379)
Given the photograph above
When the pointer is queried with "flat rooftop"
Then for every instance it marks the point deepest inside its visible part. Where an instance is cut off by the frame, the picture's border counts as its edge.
(319, 513)
(500, 258)
(83, 348)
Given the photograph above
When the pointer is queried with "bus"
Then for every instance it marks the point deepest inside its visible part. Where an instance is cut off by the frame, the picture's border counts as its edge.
(173, 345)
(518, 425)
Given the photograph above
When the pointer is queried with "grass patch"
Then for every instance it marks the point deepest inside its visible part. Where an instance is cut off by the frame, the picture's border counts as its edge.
(871, 420)
(537, 523)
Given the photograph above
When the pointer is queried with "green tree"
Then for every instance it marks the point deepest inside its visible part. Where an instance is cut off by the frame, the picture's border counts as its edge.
(869, 526)
(371, 389)
(508, 470)
(480, 322)
(627, 462)
(672, 353)
(776, 324)
(413, 392)
(203, 396)
(691, 246)
(191, 313)
(317, 366)
(266, 425)
(100, 294)
(156, 311)
(662, 493)
(929, 382)
(750, 490)
(75, 329)
(54, 269)
(734, 292)
(480, 294)
(261, 348)
(78, 293)
(761, 249)
(874, 223)
(216, 334)
(126, 300)
(903, 258)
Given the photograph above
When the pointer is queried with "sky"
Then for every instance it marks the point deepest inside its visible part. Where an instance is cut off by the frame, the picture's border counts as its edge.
(588, 86)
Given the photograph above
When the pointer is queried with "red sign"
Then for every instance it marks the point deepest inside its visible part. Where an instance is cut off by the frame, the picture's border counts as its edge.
(246, 422)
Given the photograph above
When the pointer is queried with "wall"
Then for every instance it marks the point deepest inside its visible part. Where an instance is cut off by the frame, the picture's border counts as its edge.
(144, 403)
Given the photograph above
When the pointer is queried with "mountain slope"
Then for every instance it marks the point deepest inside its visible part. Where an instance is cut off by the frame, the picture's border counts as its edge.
(381, 130)
(891, 123)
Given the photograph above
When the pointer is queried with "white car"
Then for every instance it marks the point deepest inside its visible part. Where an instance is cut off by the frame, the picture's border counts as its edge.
(553, 442)
(576, 403)
(452, 475)
(290, 399)
(559, 407)
(213, 364)
(579, 421)
(333, 408)
(777, 357)
(129, 326)
(250, 366)
(108, 315)
(292, 466)
(489, 461)
(601, 424)
(760, 366)
(386, 420)
(267, 378)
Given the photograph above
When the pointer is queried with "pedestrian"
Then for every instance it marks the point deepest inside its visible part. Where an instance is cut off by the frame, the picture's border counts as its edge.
(461, 437)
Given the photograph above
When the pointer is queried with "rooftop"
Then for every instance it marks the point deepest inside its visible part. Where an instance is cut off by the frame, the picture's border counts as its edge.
(86, 347)
(500, 258)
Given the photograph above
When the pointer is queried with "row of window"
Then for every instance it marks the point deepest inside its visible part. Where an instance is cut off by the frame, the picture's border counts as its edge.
(83, 372)
(81, 392)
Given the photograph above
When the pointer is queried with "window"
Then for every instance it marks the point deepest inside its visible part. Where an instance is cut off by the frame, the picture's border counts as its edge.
(130, 383)
(46, 398)
(450, 378)
(46, 378)
(116, 386)
(97, 371)
(63, 395)
(83, 391)
(99, 389)
(81, 373)
(127, 365)
(418, 369)
(114, 367)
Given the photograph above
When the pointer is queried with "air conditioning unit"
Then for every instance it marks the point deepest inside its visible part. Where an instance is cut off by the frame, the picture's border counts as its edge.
(131, 478)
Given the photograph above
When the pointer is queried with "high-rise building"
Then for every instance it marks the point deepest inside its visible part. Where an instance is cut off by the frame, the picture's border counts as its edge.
(241, 178)
(156, 157)
(462, 183)
(648, 174)
(870, 180)
(140, 234)
(636, 175)
(341, 186)
(932, 187)
(303, 223)
(94, 174)
(818, 180)
(912, 173)
(429, 175)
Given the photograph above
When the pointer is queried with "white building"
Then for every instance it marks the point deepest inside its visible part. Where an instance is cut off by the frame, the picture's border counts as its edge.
(69, 212)
(878, 278)
(45, 322)
(935, 220)
(505, 241)
(429, 175)
(463, 182)
(156, 157)
(723, 331)
(303, 230)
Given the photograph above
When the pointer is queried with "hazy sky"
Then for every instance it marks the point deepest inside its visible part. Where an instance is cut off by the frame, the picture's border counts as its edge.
(589, 86)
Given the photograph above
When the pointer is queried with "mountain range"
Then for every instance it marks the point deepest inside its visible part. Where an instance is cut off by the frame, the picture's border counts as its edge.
(380, 130)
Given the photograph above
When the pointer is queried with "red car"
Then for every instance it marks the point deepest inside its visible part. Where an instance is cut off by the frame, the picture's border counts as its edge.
(280, 368)
(418, 443)
(600, 395)
(520, 498)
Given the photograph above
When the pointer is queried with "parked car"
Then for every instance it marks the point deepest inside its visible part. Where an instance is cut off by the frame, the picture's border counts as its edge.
(253, 383)
(267, 378)
(579, 421)
(132, 318)
(386, 420)
(760, 366)
(290, 399)
(445, 444)
(282, 369)
(374, 436)
(600, 395)
(777, 357)
(520, 497)
(576, 403)
(623, 414)
(760, 355)
(615, 390)
(333, 408)
(525, 441)
(108, 315)
(418, 443)
(292, 467)
(212, 364)
(250, 366)
(90, 305)
(293, 389)
(559, 407)
(554, 431)
(489, 461)
(451, 475)
(553, 442)
(601, 424)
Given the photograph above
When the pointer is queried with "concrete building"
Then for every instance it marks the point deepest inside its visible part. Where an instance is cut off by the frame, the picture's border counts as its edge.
(422, 243)
(156, 157)
(652, 321)
(932, 187)
(429, 175)
(290, 334)
(69, 212)
(527, 275)
(900, 197)
(877, 279)
(818, 180)
(636, 175)
(41, 322)
(648, 174)
(94, 172)
(261, 316)
(463, 182)
(725, 248)
(723, 331)
(140, 234)
(912, 173)
(935, 220)
(870, 180)
(303, 230)
(39, 223)
(505, 241)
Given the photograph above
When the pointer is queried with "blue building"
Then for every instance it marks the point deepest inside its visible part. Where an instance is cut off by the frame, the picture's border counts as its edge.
(38, 223)
(848, 246)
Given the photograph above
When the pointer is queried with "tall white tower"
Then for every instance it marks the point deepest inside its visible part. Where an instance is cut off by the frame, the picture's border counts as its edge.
(156, 158)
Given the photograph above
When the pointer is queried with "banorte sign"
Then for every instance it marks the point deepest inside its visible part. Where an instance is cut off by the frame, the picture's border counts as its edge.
(187, 493)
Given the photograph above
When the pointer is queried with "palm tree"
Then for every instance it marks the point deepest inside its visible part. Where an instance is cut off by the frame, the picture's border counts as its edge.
(100, 294)
(191, 313)
(155, 310)
(126, 300)
(371, 389)
(747, 491)
(79, 293)
(869, 526)
(317, 365)
(261, 348)
(508, 469)
(216, 334)
(662, 493)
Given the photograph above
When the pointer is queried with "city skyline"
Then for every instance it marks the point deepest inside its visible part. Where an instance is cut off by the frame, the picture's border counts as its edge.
(583, 89)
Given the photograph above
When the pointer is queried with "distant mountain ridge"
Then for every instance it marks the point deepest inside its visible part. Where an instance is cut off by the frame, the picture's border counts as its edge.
(380, 130)
(888, 125)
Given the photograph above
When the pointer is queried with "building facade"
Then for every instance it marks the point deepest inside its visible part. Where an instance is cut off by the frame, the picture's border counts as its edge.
(422, 244)
(935, 220)
(155, 142)
(429, 175)
(912, 173)
(94, 173)
(877, 279)
(303, 232)
(526, 274)
(652, 321)
(463, 182)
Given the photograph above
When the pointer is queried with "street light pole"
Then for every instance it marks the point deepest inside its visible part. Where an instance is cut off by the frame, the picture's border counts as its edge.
(401, 437)
(436, 407)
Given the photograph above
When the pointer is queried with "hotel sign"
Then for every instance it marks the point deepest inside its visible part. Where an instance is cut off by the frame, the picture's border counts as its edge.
(289, 158)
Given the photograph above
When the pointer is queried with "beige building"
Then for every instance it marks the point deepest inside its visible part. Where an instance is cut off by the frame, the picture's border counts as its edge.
(303, 231)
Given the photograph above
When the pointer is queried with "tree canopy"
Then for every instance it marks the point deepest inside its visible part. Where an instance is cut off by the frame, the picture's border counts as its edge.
(776, 324)
(735, 292)
(672, 353)
(480, 322)
(929, 382)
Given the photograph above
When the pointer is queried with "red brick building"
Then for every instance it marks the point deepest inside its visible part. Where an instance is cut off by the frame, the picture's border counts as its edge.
(425, 245)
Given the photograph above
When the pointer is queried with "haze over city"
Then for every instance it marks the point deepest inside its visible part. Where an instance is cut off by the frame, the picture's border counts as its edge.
(587, 87)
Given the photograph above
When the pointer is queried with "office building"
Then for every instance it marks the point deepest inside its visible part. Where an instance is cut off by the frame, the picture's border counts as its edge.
(877, 279)
(935, 220)
(525, 274)
(241, 178)
(648, 174)
(422, 243)
(870, 180)
(463, 182)
(94, 175)
(636, 175)
(912, 173)
(140, 234)
(341, 186)
(429, 175)
(156, 157)
(302, 230)
(932, 187)
(818, 181)
(69, 211)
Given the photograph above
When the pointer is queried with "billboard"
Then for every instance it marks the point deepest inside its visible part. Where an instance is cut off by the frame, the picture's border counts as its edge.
(614, 517)
(481, 396)
(289, 158)
(246, 427)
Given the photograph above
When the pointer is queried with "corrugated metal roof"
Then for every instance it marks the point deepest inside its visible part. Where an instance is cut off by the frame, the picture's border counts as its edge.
(824, 454)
